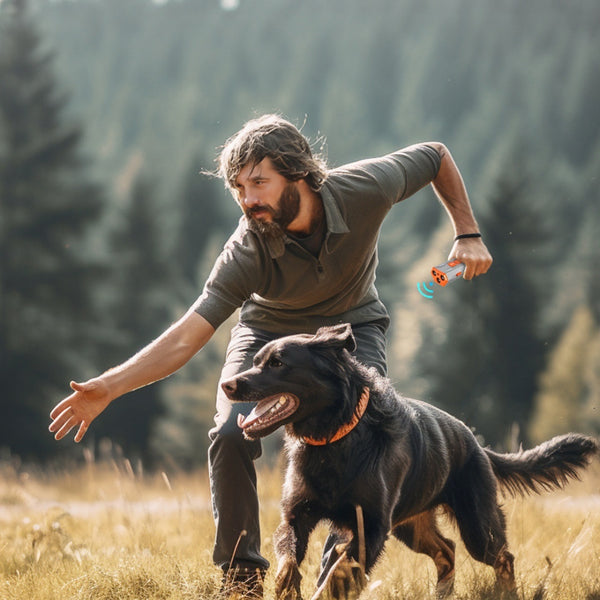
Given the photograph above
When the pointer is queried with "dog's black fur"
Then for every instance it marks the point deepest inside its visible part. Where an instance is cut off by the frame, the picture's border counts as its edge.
(403, 459)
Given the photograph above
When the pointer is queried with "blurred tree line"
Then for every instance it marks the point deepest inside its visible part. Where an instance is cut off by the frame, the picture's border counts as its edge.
(107, 229)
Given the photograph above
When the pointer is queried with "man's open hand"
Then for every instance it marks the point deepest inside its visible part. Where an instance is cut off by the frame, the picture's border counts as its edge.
(79, 409)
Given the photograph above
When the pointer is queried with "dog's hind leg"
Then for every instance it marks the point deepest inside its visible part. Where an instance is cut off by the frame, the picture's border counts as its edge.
(482, 523)
(421, 534)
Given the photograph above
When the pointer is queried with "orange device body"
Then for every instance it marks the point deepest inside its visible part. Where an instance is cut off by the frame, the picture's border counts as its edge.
(448, 272)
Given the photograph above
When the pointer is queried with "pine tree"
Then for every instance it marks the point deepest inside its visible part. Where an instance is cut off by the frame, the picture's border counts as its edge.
(46, 204)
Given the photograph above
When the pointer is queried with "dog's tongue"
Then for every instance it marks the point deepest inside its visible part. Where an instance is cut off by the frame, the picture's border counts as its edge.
(262, 407)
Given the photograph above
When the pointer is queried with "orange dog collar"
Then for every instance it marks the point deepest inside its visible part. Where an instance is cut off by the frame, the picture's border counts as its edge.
(344, 429)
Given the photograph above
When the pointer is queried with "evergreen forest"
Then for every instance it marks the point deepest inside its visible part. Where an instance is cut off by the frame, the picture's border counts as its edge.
(111, 112)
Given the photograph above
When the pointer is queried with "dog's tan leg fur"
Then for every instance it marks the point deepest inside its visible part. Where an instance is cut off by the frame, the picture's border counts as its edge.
(288, 578)
(505, 571)
(421, 534)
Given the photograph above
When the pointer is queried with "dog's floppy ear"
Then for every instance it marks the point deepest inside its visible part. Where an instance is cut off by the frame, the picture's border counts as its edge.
(337, 336)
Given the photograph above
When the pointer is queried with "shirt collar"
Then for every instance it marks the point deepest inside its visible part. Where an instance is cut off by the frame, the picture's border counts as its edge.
(336, 225)
(335, 220)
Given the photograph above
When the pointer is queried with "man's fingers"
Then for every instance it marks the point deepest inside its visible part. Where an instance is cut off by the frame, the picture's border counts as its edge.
(476, 268)
(81, 431)
(66, 421)
(65, 414)
(61, 420)
(70, 423)
(61, 407)
(469, 272)
(473, 267)
(77, 410)
(67, 402)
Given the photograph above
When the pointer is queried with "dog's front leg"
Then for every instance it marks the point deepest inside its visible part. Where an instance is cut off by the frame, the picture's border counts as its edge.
(345, 580)
(287, 580)
(291, 541)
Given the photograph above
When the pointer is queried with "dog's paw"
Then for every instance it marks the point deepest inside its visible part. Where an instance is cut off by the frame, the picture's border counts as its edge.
(287, 580)
(445, 589)
(347, 581)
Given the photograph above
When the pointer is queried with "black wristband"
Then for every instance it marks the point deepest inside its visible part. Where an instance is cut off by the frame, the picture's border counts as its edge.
(464, 236)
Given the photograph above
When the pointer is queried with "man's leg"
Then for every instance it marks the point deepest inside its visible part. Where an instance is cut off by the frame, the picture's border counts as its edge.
(231, 468)
(371, 344)
(371, 351)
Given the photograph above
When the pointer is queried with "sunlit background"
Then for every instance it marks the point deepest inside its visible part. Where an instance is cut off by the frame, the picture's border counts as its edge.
(109, 109)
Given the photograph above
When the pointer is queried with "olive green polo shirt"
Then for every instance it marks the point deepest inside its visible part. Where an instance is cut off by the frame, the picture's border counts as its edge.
(283, 288)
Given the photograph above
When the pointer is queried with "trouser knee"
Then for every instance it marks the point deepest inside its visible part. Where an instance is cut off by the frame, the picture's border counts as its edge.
(227, 441)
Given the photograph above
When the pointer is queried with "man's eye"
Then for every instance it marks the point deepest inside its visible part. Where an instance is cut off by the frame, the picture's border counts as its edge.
(275, 362)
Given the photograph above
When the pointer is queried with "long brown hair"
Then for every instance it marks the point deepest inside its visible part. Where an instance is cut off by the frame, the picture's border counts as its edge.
(271, 136)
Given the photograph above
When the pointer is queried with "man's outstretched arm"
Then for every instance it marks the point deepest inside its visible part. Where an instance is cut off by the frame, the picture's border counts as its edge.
(162, 357)
(450, 189)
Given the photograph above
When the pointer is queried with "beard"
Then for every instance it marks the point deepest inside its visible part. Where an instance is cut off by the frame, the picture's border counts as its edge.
(282, 215)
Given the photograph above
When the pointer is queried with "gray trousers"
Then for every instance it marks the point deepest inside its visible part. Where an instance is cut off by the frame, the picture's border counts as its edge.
(231, 457)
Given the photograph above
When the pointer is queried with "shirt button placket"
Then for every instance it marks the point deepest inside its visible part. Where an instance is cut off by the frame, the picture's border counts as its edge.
(320, 271)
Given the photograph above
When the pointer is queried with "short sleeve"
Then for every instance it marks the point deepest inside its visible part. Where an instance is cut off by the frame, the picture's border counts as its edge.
(395, 176)
(418, 164)
(235, 276)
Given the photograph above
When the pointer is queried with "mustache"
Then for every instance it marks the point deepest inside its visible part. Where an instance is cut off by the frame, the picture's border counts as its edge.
(257, 209)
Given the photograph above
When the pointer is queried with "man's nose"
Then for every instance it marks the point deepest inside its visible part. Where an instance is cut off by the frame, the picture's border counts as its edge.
(250, 201)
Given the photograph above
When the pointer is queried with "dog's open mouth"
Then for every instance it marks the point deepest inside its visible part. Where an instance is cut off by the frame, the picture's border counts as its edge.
(267, 414)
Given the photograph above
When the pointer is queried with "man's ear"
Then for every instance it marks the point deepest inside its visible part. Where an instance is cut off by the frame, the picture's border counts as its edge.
(337, 336)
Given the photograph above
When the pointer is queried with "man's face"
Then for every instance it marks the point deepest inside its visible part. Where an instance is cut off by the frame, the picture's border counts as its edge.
(268, 199)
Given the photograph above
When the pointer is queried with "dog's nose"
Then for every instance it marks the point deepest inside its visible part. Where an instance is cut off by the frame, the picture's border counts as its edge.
(229, 387)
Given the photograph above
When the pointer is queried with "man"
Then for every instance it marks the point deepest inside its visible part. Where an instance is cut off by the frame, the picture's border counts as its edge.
(304, 255)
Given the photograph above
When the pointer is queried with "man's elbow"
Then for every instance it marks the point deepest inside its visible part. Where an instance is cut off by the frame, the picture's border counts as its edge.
(440, 148)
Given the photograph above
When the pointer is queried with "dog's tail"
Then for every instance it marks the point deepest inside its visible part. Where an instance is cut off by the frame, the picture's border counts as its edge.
(548, 466)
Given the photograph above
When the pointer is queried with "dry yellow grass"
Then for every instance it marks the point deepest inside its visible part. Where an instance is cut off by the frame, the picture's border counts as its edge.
(107, 532)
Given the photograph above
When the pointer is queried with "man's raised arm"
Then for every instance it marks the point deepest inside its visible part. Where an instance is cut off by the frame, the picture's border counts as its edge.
(162, 357)
(451, 190)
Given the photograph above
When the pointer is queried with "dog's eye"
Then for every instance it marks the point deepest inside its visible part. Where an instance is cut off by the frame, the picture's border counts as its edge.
(274, 362)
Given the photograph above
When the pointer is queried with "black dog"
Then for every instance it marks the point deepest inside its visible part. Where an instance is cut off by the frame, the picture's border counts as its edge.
(352, 441)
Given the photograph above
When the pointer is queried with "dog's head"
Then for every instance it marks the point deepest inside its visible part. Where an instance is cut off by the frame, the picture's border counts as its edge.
(293, 378)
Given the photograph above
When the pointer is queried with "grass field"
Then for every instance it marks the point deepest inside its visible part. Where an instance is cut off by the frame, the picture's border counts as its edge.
(109, 532)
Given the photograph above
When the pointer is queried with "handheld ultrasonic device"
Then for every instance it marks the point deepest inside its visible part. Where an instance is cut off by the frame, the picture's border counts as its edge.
(448, 272)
